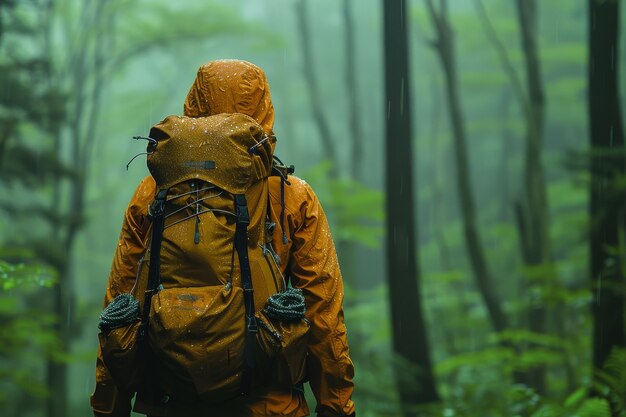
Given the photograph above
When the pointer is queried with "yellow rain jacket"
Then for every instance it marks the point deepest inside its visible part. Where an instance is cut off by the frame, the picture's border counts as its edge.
(308, 258)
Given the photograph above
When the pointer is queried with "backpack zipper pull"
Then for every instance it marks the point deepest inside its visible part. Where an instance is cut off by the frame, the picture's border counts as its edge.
(196, 237)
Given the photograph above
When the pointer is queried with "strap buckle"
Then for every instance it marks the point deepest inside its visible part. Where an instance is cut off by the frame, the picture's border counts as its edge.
(241, 210)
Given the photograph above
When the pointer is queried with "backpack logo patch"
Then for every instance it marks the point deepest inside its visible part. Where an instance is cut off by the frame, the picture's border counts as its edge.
(199, 164)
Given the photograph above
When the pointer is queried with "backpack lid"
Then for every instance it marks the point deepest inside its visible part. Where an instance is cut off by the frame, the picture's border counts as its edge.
(228, 150)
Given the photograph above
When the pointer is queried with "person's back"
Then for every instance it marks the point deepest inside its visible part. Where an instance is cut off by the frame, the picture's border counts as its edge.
(304, 254)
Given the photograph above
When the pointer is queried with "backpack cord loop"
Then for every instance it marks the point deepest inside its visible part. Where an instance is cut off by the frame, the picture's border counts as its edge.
(288, 305)
(123, 310)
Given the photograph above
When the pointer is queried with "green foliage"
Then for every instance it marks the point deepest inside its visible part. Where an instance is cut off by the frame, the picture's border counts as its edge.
(357, 211)
(610, 381)
(369, 335)
(12, 276)
(565, 54)
(27, 331)
(29, 108)
(171, 25)
(480, 395)
(594, 407)
(32, 112)
(474, 384)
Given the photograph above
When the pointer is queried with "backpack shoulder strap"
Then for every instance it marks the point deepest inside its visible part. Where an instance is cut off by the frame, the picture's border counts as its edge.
(241, 246)
(157, 213)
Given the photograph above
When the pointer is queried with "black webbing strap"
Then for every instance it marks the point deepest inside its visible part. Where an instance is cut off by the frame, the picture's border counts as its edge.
(157, 213)
(241, 245)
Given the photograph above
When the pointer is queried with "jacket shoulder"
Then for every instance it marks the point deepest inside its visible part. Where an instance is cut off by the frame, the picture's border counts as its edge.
(143, 195)
(298, 193)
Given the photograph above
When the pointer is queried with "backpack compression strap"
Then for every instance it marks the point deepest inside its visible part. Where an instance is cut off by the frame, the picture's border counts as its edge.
(241, 246)
(157, 212)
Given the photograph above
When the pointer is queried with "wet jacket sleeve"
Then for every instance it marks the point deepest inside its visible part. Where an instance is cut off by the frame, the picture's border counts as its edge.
(314, 268)
(106, 399)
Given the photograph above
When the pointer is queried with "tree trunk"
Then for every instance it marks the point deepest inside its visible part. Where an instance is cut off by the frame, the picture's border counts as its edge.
(536, 218)
(534, 211)
(81, 125)
(410, 341)
(56, 371)
(607, 166)
(348, 250)
(504, 108)
(354, 116)
(328, 145)
(482, 274)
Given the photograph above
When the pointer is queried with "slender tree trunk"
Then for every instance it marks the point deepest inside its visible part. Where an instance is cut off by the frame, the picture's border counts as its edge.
(607, 166)
(56, 372)
(354, 115)
(507, 133)
(348, 250)
(440, 179)
(482, 274)
(81, 127)
(308, 61)
(410, 340)
(536, 200)
(534, 210)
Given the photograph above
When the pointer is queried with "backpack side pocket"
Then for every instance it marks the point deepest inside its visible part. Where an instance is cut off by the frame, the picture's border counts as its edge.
(121, 355)
(282, 350)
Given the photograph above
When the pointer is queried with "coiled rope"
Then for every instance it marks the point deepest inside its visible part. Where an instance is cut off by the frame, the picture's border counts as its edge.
(123, 310)
(287, 305)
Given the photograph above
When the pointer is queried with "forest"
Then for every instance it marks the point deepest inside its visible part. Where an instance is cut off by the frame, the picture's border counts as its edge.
(469, 155)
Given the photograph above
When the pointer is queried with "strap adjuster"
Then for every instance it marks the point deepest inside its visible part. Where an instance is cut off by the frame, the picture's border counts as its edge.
(241, 210)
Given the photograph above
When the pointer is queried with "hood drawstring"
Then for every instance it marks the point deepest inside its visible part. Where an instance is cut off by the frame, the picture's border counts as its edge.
(153, 143)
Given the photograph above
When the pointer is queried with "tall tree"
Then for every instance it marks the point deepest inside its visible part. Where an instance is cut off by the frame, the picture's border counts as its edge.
(444, 46)
(607, 208)
(354, 115)
(31, 102)
(410, 341)
(27, 170)
(532, 208)
(308, 66)
(348, 250)
(532, 212)
(347, 245)
(516, 87)
(84, 73)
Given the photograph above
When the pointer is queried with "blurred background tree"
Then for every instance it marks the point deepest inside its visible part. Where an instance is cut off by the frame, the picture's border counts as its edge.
(514, 139)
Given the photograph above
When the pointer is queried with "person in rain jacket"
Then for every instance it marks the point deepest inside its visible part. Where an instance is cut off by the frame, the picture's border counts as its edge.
(308, 257)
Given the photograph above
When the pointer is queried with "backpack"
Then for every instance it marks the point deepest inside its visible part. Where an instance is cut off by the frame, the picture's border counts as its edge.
(204, 322)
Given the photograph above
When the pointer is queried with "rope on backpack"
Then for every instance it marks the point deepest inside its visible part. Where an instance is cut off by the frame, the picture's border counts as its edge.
(288, 305)
(123, 310)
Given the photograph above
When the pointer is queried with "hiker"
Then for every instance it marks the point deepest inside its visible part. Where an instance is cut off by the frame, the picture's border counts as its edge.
(302, 249)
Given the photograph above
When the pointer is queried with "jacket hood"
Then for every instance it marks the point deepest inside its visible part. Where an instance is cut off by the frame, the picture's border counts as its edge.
(231, 86)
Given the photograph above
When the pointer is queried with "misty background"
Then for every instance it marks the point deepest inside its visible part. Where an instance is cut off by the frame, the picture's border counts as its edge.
(78, 79)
